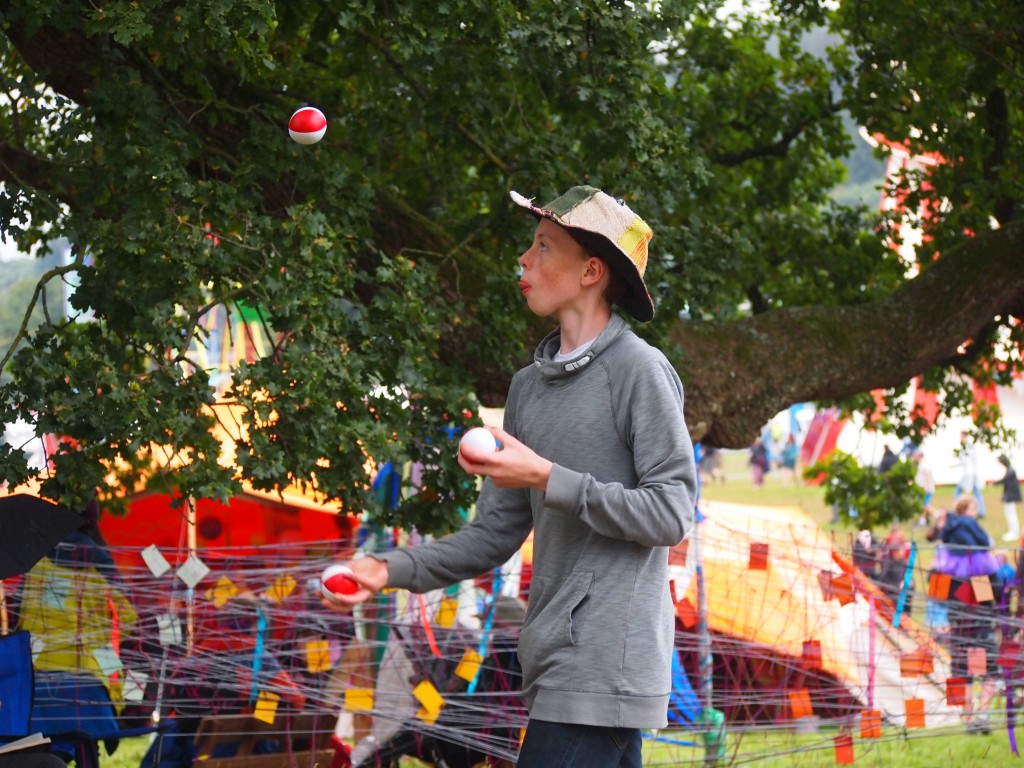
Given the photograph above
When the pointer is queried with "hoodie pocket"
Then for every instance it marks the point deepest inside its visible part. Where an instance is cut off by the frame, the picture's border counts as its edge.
(559, 621)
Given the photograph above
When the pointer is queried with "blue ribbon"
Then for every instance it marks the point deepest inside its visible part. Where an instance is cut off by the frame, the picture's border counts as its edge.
(257, 653)
(908, 575)
(488, 623)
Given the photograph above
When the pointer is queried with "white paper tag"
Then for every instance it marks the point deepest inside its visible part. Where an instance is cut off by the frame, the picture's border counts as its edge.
(108, 659)
(134, 685)
(170, 629)
(37, 645)
(157, 563)
(192, 571)
(56, 591)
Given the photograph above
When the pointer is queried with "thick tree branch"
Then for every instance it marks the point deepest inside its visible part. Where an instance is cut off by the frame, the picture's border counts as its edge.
(734, 382)
(23, 169)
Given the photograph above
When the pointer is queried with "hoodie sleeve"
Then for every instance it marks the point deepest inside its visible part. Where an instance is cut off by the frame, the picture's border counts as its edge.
(503, 520)
(502, 523)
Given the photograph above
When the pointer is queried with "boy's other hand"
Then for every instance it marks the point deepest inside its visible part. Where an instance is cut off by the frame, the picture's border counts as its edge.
(514, 466)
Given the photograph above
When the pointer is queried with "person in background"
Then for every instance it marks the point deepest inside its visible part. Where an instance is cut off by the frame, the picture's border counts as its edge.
(711, 464)
(970, 482)
(758, 461)
(893, 565)
(888, 461)
(966, 554)
(865, 554)
(924, 478)
(788, 459)
(1010, 498)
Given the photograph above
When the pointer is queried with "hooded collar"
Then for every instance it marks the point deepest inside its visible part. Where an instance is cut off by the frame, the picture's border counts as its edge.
(550, 369)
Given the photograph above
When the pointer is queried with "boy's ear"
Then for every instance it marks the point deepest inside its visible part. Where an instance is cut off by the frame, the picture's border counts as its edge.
(594, 270)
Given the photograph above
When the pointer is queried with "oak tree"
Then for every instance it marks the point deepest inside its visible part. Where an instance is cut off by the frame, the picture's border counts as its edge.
(375, 271)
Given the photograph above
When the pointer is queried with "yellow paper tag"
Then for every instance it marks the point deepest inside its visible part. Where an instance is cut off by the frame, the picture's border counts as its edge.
(446, 612)
(427, 716)
(281, 588)
(428, 696)
(266, 707)
(359, 700)
(318, 655)
(223, 591)
(469, 665)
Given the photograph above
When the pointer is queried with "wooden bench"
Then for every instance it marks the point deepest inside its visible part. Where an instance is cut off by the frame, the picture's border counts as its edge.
(303, 739)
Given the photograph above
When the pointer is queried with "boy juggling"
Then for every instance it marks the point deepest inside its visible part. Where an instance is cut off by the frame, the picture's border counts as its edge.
(597, 460)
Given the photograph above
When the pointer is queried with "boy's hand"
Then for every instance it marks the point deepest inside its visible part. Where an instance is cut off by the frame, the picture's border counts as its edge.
(514, 466)
(370, 574)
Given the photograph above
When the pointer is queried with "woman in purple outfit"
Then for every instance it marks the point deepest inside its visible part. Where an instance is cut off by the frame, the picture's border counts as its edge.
(966, 552)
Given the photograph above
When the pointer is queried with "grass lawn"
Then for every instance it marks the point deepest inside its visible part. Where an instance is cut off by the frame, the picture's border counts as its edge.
(738, 488)
(922, 749)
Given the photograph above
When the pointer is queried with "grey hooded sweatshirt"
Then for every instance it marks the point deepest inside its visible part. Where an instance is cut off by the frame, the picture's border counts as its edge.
(598, 636)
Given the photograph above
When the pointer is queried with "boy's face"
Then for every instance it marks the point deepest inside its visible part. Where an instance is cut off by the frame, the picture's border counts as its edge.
(553, 269)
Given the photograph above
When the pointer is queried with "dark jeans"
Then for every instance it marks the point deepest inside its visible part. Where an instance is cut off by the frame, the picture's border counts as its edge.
(564, 745)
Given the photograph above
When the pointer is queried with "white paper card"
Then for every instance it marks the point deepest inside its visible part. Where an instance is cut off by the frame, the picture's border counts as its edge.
(134, 685)
(192, 571)
(56, 591)
(170, 629)
(36, 644)
(157, 563)
(108, 659)
(35, 740)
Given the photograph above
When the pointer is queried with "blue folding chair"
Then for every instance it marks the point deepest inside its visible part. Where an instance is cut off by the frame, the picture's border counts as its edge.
(72, 710)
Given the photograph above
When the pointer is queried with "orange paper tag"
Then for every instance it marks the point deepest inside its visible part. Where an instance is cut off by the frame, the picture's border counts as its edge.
(844, 749)
(956, 691)
(915, 713)
(871, 724)
(916, 663)
(800, 703)
(842, 589)
(758, 555)
(812, 655)
(938, 586)
(687, 616)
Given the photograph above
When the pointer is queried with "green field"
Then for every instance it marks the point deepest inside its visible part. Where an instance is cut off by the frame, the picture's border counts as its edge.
(923, 749)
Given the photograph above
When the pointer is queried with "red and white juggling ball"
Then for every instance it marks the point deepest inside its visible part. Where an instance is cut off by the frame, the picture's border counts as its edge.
(307, 125)
(337, 580)
(480, 442)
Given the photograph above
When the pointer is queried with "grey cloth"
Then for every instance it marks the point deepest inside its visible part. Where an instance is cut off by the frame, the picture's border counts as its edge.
(597, 642)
